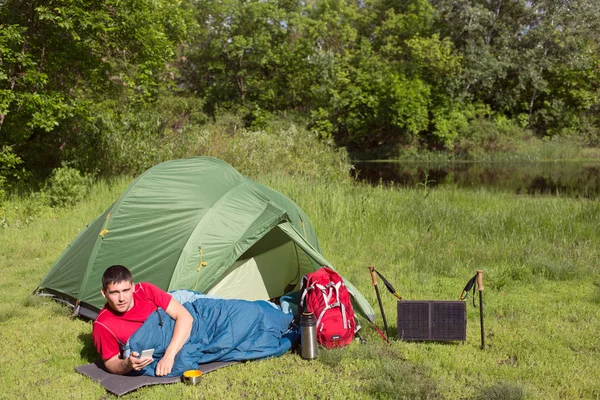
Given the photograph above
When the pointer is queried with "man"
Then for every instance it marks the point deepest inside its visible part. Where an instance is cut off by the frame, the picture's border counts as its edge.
(127, 307)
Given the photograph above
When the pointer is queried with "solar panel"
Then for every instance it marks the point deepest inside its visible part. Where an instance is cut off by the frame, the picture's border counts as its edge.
(432, 320)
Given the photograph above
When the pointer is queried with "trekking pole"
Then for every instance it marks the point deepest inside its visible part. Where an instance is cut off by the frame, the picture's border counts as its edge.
(374, 280)
(388, 285)
(480, 288)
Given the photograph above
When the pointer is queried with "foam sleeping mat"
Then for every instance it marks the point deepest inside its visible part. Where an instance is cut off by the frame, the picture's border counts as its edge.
(122, 384)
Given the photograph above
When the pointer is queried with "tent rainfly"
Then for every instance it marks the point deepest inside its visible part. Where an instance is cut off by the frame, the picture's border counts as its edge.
(197, 224)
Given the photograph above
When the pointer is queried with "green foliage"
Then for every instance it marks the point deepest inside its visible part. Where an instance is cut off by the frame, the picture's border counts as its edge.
(383, 90)
(234, 52)
(286, 148)
(257, 118)
(370, 78)
(66, 187)
(321, 123)
(79, 79)
(379, 104)
(488, 136)
(527, 59)
(449, 121)
(136, 136)
(60, 57)
(9, 169)
(175, 127)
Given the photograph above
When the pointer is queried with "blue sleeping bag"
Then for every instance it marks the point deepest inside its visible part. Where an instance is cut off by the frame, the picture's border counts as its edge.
(223, 330)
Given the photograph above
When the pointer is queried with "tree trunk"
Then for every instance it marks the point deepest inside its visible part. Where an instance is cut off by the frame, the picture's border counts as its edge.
(240, 84)
(531, 105)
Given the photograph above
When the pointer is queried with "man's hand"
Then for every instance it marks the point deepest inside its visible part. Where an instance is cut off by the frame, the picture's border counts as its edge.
(122, 366)
(164, 366)
(138, 363)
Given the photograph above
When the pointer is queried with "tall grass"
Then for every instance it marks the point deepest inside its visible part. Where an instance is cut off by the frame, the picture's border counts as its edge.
(540, 257)
(449, 232)
(486, 139)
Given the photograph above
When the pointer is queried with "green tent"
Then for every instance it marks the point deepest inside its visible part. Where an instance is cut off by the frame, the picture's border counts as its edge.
(198, 224)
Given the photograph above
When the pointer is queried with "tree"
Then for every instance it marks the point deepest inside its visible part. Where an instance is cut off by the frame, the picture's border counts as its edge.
(533, 61)
(390, 78)
(58, 57)
(236, 56)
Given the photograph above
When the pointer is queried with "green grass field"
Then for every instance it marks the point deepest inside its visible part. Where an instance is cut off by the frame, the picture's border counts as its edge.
(541, 299)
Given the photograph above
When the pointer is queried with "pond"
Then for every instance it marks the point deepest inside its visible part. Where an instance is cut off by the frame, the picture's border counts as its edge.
(562, 178)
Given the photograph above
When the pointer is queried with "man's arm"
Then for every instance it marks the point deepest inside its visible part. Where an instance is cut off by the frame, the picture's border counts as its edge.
(106, 343)
(181, 333)
(122, 366)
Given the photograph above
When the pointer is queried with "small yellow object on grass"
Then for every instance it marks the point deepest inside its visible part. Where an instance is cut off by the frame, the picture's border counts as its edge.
(192, 376)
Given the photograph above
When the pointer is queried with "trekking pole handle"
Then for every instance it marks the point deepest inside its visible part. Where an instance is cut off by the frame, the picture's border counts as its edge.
(373, 275)
(480, 280)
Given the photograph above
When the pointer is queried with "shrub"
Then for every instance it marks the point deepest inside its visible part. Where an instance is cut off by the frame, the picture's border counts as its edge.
(486, 135)
(589, 129)
(128, 138)
(66, 187)
(257, 118)
(292, 151)
(9, 163)
(132, 141)
(550, 148)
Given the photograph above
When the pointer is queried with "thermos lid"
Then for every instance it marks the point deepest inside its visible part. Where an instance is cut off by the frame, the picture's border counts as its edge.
(308, 319)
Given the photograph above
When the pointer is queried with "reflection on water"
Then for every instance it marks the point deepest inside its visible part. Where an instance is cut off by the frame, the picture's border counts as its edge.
(564, 178)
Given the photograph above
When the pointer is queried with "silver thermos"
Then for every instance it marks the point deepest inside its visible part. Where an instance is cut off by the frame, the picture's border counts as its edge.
(308, 336)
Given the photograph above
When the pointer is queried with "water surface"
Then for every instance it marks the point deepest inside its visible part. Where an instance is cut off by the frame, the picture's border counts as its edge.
(563, 178)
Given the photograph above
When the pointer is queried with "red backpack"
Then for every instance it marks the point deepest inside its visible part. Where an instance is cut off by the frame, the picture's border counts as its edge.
(325, 295)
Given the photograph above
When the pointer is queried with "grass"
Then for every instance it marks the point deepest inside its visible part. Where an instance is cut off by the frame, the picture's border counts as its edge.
(487, 144)
(542, 294)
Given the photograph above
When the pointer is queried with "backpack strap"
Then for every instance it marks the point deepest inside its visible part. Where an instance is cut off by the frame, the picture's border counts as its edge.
(329, 307)
(327, 294)
(303, 297)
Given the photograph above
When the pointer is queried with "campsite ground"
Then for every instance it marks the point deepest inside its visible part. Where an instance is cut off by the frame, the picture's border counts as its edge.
(542, 298)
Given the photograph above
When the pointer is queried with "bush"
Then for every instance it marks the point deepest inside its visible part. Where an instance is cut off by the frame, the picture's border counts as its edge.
(589, 129)
(66, 187)
(550, 148)
(135, 139)
(127, 138)
(9, 163)
(292, 151)
(485, 135)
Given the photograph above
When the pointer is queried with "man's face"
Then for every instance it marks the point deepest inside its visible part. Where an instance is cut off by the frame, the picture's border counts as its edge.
(119, 296)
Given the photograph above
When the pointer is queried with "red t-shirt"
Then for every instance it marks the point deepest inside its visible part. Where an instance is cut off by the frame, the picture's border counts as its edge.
(111, 329)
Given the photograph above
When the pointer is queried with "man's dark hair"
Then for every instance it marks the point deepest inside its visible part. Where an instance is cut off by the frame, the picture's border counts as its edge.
(115, 274)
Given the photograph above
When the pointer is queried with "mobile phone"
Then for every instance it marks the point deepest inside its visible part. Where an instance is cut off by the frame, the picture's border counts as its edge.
(147, 353)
